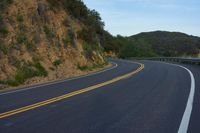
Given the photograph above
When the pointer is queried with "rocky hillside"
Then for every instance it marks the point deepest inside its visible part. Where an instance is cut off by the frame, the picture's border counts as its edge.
(42, 40)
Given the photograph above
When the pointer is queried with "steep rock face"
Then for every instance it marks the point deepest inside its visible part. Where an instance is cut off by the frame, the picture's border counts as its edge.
(41, 34)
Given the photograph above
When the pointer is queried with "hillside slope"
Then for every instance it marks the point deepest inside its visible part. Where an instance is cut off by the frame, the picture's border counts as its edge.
(42, 40)
(158, 43)
(170, 43)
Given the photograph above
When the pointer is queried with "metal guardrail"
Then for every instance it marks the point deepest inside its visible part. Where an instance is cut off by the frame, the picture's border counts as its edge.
(172, 59)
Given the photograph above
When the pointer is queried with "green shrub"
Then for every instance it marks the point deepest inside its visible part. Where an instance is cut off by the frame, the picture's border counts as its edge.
(57, 62)
(66, 40)
(4, 30)
(29, 46)
(83, 68)
(87, 35)
(12, 82)
(2, 82)
(3, 48)
(19, 18)
(98, 65)
(4, 4)
(92, 67)
(48, 31)
(89, 48)
(53, 2)
(1, 19)
(40, 70)
(21, 38)
(24, 73)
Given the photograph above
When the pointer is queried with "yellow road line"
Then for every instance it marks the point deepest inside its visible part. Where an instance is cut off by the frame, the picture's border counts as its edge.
(59, 98)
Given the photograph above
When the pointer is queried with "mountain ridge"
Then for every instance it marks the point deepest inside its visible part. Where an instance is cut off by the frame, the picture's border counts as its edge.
(153, 44)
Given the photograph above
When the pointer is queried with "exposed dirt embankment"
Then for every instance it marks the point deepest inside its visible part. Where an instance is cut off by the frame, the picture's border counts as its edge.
(40, 43)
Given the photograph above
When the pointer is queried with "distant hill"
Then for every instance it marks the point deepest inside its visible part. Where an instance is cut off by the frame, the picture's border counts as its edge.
(170, 43)
(159, 43)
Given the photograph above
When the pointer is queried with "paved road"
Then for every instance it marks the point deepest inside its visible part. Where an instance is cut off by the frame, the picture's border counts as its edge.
(153, 100)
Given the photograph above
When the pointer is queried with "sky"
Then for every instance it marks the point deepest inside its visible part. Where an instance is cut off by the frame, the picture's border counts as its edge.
(129, 17)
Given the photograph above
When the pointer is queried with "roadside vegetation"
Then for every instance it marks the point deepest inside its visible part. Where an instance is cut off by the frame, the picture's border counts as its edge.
(3, 5)
(23, 44)
(25, 70)
(3, 48)
(94, 26)
(91, 67)
(49, 32)
(57, 62)
(153, 44)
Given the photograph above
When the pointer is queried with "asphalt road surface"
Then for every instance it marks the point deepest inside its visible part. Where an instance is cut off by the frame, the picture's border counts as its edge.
(144, 97)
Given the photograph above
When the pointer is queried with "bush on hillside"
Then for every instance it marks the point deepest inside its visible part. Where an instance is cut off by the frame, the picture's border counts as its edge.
(4, 4)
(48, 31)
(57, 62)
(25, 71)
(90, 18)
(20, 38)
(3, 48)
(20, 18)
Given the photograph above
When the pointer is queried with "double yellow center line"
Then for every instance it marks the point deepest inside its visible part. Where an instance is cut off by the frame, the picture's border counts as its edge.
(59, 98)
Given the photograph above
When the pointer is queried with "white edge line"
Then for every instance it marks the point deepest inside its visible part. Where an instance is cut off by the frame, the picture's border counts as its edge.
(55, 82)
(188, 111)
(183, 128)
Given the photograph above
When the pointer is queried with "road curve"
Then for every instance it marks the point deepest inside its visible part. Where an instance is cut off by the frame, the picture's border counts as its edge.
(150, 100)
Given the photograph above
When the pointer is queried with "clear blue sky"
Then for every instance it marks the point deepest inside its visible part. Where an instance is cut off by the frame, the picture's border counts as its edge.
(128, 17)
